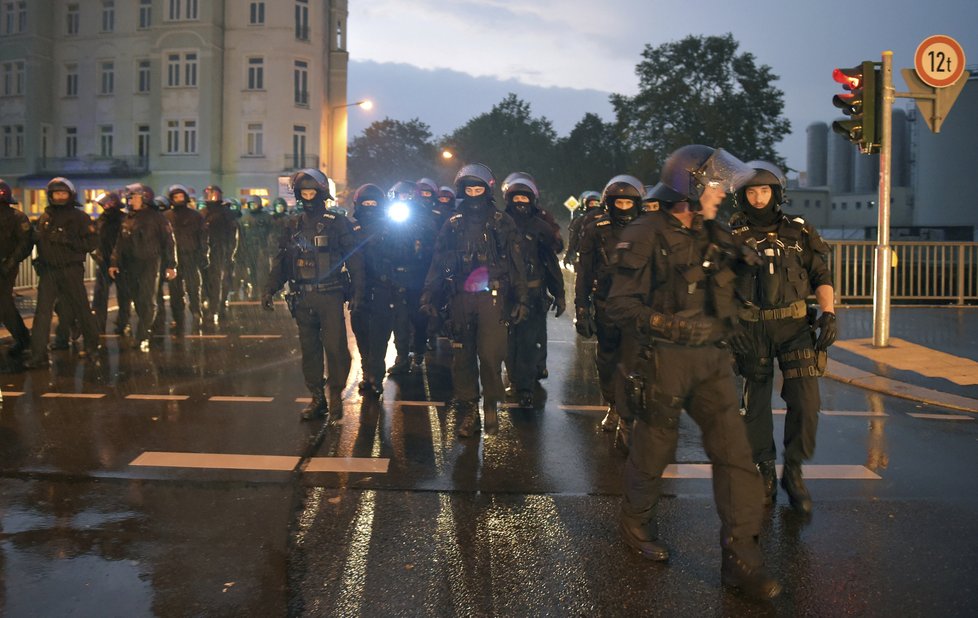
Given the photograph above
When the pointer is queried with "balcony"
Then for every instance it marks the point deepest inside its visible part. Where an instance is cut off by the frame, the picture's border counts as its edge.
(298, 162)
(109, 166)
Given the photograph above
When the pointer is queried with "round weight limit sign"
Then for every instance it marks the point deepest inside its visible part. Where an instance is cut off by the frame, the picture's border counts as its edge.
(939, 61)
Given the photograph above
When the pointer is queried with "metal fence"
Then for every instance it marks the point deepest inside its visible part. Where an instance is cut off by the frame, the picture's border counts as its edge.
(923, 272)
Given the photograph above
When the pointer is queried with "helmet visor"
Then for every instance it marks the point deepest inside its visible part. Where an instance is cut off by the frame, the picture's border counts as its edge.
(723, 170)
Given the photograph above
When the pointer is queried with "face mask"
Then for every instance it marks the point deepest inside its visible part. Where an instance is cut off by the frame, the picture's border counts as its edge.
(475, 205)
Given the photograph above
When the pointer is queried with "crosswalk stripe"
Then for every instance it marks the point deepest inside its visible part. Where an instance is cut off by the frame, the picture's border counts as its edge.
(418, 403)
(375, 465)
(259, 336)
(584, 408)
(227, 399)
(782, 412)
(164, 459)
(73, 395)
(159, 397)
(941, 417)
(205, 336)
(810, 471)
(11, 393)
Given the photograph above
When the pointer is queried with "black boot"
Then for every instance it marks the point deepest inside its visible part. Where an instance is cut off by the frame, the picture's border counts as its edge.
(470, 423)
(610, 420)
(317, 408)
(743, 568)
(526, 400)
(623, 438)
(769, 474)
(335, 404)
(642, 537)
(491, 415)
(798, 494)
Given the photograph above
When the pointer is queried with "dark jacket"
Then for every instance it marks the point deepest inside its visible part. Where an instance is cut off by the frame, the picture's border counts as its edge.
(146, 235)
(64, 235)
(108, 225)
(188, 231)
(15, 239)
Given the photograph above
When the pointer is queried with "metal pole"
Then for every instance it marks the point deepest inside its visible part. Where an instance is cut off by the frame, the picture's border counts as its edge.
(881, 289)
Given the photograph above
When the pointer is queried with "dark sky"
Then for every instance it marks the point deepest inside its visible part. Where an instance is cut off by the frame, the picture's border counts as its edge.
(445, 61)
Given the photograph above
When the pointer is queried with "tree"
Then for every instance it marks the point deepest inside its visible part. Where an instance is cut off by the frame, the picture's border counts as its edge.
(701, 91)
(590, 156)
(509, 139)
(391, 150)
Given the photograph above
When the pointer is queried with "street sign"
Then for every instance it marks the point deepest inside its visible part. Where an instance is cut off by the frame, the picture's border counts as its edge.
(571, 203)
(934, 103)
(939, 61)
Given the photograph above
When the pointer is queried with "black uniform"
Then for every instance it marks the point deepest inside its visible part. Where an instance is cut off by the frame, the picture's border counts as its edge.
(145, 248)
(676, 285)
(479, 270)
(255, 251)
(310, 258)
(64, 235)
(15, 245)
(575, 229)
(793, 265)
(109, 225)
(191, 240)
(221, 230)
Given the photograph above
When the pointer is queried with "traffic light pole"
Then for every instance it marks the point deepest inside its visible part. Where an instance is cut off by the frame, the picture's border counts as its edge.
(881, 288)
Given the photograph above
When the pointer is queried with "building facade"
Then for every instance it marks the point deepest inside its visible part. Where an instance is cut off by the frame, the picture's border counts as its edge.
(238, 93)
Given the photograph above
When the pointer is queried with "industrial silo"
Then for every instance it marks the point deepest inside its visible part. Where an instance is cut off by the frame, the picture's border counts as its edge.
(840, 163)
(818, 135)
(866, 172)
(900, 159)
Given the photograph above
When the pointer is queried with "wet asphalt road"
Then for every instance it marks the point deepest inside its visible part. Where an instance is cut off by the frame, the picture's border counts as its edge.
(515, 524)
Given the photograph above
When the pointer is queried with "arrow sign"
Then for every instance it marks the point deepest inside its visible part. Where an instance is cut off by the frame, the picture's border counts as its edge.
(934, 103)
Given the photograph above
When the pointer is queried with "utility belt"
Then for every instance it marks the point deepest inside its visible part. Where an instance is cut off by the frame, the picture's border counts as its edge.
(321, 288)
(534, 284)
(752, 313)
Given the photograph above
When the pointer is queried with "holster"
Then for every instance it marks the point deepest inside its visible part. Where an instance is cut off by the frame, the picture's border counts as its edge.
(639, 383)
(292, 301)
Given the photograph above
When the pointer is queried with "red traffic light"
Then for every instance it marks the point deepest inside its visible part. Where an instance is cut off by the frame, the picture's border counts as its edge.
(849, 78)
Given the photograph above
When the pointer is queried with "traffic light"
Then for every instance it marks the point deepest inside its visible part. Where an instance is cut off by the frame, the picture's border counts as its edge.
(861, 104)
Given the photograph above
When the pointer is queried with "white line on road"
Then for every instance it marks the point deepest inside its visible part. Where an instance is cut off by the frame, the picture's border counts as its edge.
(569, 408)
(205, 336)
(73, 395)
(424, 404)
(941, 417)
(810, 471)
(375, 465)
(259, 336)
(782, 412)
(11, 393)
(159, 397)
(227, 399)
(163, 459)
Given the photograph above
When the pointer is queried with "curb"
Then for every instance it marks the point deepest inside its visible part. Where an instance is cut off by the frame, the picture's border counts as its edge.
(870, 381)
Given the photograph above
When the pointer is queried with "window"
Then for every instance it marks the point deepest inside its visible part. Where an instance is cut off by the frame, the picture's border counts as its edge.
(845, 205)
(340, 38)
(142, 76)
(181, 69)
(181, 137)
(9, 18)
(19, 140)
(299, 145)
(182, 10)
(45, 134)
(255, 137)
(8, 142)
(142, 143)
(302, 20)
(13, 78)
(145, 13)
(256, 74)
(257, 14)
(71, 142)
(807, 203)
(72, 19)
(106, 134)
(22, 16)
(301, 82)
(818, 203)
(106, 78)
(71, 80)
(108, 15)
(13, 141)
(859, 205)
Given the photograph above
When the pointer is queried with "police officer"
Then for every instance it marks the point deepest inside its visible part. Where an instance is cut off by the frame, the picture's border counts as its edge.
(446, 200)
(373, 322)
(793, 264)
(256, 231)
(409, 244)
(675, 282)
(63, 236)
(428, 195)
(191, 240)
(479, 272)
(311, 256)
(539, 249)
(109, 225)
(15, 245)
(221, 230)
(588, 210)
(620, 202)
(145, 250)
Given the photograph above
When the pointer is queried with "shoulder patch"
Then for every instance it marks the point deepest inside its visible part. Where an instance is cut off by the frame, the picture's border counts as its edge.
(604, 222)
(741, 230)
(329, 215)
(456, 217)
(357, 228)
(798, 220)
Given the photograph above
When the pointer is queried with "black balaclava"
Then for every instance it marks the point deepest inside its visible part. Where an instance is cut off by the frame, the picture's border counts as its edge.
(762, 217)
(521, 210)
(477, 207)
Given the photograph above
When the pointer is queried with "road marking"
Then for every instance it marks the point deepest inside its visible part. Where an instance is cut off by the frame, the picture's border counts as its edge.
(908, 356)
(11, 393)
(205, 336)
(423, 404)
(164, 459)
(584, 408)
(375, 465)
(227, 399)
(782, 412)
(74, 395)
(259, 336)
(159, 397)
(303, 399)
(810, 471)
(941, 417)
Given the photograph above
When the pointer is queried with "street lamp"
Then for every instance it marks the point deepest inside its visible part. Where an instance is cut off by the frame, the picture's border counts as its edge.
(447, 154)
(336, 148)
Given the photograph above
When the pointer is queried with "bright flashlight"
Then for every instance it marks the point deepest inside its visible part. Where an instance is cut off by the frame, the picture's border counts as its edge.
(399, 212)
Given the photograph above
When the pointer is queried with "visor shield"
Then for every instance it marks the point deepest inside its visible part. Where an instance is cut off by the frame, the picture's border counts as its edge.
(723, 170)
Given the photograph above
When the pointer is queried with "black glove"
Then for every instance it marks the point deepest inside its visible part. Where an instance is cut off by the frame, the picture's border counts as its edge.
(520, 313)
(584, 323)
(267, 302)
(354, 304)
(560, 305)
(740, 342)
(827, 330)
(686, 331)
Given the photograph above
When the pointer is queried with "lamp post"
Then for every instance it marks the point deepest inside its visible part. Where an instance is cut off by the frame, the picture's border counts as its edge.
(336, 152)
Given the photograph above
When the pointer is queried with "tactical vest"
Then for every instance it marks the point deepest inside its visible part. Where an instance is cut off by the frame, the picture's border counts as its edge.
(315, 251)
(607, 236)
(782, 277)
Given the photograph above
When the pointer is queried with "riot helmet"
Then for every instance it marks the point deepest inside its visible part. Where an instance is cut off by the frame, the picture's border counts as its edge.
(589, 200)
(428, 191)
(108, 200)
(446, 197)
(213, 195)
(622, 198)
(161, 203)
(280, 206)
(143, 192)
(367, 202)
(254, 203)
(6, 194)
(234, 205)
(403, 191)
(178, 194)
(312, 179)
(61, 184)
(521, 194)
(474, 183)
(649, 202)
(765, 175)
(690, 170)
(524, 178)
